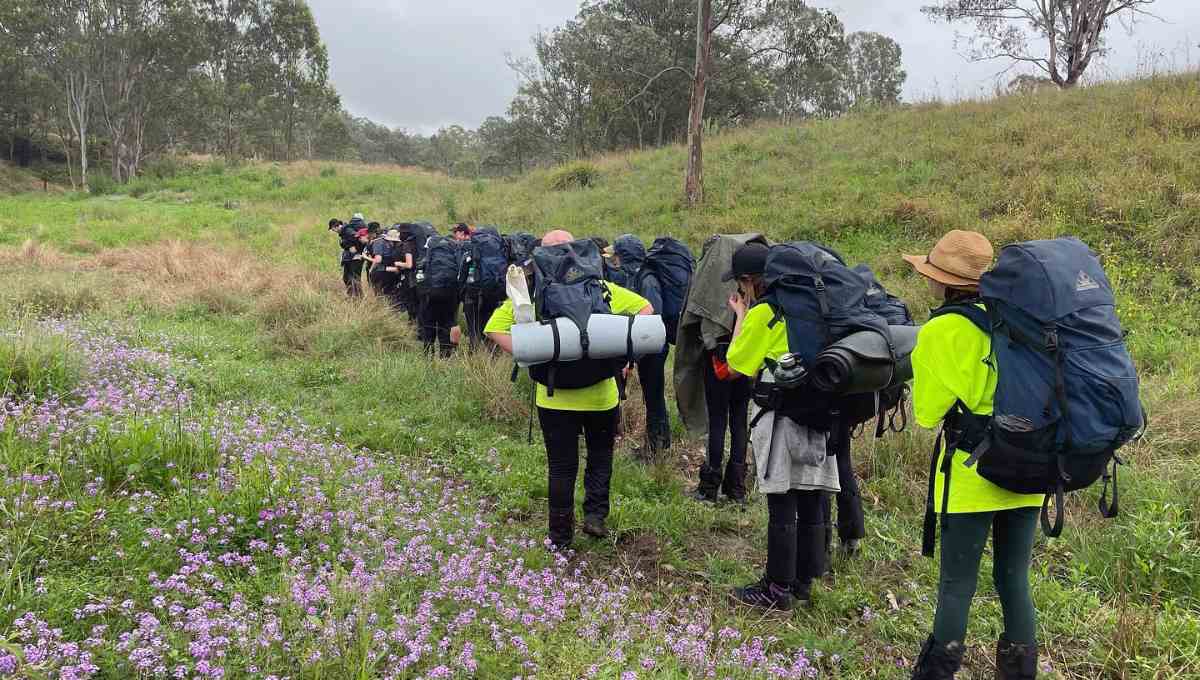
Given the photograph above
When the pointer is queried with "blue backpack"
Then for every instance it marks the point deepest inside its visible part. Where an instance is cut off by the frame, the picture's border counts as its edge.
(442, 264)
(1067, 390)
(672, 263)
(810, 288)
(883, 303)
(892, 408)
(486, 263)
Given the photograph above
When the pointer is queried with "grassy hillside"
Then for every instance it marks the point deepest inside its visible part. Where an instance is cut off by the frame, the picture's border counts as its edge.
(212, 292)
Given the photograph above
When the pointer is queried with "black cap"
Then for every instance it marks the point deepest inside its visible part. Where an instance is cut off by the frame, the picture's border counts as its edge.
(749, 259)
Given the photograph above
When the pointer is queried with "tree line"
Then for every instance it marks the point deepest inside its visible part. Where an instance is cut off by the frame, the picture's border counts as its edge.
(111, 83)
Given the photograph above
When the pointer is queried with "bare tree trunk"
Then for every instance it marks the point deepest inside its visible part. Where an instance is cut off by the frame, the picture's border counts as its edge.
(78, 93)
(693, 185)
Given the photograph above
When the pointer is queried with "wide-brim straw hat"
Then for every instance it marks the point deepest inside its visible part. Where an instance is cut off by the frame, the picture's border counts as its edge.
(958, 260)
(392, 235)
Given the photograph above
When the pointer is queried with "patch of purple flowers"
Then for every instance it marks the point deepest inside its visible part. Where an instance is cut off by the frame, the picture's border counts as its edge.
(299, 553)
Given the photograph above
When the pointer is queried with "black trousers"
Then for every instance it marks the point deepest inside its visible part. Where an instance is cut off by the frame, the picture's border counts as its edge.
(795, 541)
(652, 374)
(478, 307)
(561, 429)
(728, 404)
(352, 277)
(439, 311)
(387, 284)
(408, 297)
(851, 523)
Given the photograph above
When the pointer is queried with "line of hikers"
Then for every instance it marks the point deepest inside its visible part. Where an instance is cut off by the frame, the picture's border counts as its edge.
(1023, 367)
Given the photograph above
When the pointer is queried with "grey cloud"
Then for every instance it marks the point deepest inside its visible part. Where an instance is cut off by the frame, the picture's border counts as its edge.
(421, 65)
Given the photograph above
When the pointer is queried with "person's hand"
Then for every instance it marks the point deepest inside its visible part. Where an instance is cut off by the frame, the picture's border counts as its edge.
(738, 304)
(625, 372)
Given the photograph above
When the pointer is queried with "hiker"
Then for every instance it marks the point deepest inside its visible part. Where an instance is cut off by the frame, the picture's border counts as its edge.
(353, 240)
(952, 364)
(388, 259)
(438, 286)
(662, 276)
(485, 263)
(461, 232)
(713, 400)
(564, 413)
(795, 467)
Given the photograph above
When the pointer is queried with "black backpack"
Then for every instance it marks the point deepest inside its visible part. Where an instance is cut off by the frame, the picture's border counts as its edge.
(486, 263)
(568, 283)
(442, 263)
(810, 288)
(672, 263)
(518, 248)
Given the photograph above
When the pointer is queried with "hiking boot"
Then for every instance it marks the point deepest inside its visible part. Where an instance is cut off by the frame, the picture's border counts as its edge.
(562, 527)
(850, 548)
(764, 594)
(938, 661)
(734, 483)
(801, 592)
(710, 484)
(594, 526)
(1016, 661)
(704, 495)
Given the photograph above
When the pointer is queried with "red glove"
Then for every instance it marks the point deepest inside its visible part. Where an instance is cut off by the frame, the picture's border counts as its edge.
(721, 369)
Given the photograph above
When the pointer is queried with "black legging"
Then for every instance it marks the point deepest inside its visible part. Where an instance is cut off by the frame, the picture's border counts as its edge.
(652, 374)
(795, 536)
(439, 311)
(352, 277)
(478, 307)
(851, 524)
(561, 429)
(728, 404)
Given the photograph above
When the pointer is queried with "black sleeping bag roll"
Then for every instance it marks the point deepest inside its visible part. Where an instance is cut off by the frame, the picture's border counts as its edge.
(863, 362)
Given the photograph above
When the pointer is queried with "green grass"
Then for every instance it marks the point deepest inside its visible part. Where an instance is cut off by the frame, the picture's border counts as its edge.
(235, 266)
(35, 362)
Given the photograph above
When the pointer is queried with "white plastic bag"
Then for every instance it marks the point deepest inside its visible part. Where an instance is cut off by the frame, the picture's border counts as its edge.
(518, 292)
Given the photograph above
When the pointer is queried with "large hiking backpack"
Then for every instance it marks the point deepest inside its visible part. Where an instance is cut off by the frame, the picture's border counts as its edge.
(810, 288)
(518, 248)
(631, 253)
(486, 263)
(442, 264)
(892, 409)
(672, 263)
(1067, 390)
(883, 303)
(568, 284)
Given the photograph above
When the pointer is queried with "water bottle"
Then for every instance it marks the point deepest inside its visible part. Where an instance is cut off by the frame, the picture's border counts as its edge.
(790, 371)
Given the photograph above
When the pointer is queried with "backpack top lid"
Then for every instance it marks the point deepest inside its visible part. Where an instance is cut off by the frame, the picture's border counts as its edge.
(567, 281)
(884, 303)
(1049, 279)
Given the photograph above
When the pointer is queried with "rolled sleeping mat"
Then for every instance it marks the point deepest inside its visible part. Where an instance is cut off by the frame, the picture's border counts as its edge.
(610, 336)
(863, 362)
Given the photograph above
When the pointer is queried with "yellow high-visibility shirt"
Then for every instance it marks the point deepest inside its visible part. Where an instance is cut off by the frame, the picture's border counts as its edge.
(603, 395)
(952, 362)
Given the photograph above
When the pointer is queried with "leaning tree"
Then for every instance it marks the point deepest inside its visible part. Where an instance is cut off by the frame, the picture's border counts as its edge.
(1060, 37)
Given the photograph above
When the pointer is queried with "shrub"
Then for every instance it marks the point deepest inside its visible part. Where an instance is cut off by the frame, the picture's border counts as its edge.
(35, 362)
(577, 175)
(329, 171)
(101, 184)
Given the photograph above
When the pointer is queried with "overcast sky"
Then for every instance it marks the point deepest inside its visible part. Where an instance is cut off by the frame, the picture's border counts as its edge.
(423, 64)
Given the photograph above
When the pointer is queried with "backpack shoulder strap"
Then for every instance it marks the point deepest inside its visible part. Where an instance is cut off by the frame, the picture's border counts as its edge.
(969, 309)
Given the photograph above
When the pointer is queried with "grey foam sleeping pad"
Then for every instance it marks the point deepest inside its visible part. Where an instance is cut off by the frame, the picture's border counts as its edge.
(609, 337)
(862, 362)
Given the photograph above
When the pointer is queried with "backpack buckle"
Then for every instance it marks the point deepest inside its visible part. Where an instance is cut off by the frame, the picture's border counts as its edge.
(1051, 339)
